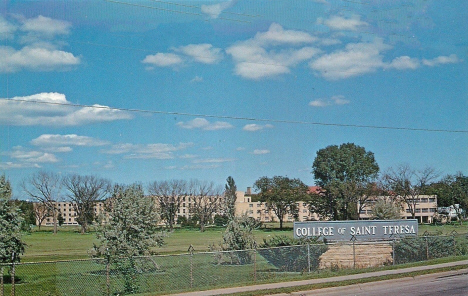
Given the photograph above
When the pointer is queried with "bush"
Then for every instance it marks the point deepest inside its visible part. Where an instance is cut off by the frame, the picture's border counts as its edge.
(289, 254)
(428, 247)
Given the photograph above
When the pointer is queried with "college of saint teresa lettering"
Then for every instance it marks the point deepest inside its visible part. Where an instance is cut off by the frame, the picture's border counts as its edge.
(359, 230)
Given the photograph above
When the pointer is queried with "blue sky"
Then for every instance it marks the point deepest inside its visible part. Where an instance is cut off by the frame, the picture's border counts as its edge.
(158, 90)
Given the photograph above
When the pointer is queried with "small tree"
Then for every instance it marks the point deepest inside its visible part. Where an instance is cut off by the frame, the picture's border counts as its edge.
(11, 245)
(45, 187)
(407, 184)
(281, 195)
(85, 192)
(205, 200)
(169, 196)
(128, 230)
(40, 213)
(230, 198)
(385, 209)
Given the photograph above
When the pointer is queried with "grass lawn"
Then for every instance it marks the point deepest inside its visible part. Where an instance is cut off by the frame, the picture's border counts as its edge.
(69, 244)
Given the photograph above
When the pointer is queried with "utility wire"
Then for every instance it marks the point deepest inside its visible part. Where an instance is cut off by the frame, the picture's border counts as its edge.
(237, 117)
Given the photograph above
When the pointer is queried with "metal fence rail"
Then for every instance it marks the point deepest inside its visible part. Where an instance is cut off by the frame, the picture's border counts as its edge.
(199, 271)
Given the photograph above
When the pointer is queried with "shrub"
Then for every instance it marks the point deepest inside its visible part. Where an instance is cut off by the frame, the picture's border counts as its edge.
(289, 254)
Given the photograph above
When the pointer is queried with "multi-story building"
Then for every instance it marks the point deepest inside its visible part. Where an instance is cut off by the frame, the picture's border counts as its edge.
(425, 208)
(67, 211)
(259, 210)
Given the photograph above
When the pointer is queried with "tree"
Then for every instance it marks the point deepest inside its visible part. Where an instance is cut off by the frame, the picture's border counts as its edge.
(45, 187)
(128, 229)
(344, 172)
(281, 194)
(84, 192)
(205, 200)
(407, 184)
(230, 198)
(385, 209)
(238, 236)
(451, 190)
(169, 196)
(40, 213)
(11, 245)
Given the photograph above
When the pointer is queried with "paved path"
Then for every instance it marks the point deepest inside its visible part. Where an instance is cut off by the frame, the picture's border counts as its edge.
(320, 281)
(450, 283)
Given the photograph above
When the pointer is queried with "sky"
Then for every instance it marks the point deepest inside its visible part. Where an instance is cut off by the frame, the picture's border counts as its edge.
(139, 91)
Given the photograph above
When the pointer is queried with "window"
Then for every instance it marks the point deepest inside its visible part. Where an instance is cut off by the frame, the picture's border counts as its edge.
(433, 210)
(250, 205)
(425, 210)
(432, 199)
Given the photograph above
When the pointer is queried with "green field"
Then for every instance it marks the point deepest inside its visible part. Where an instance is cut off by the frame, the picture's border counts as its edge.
(177, 271)
(68, 243)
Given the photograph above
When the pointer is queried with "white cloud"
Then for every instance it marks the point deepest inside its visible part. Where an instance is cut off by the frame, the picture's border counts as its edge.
(256, 127)
(339, 23)
(441, 60)
(356, 59)
(203, 124)
(335, 100)
(196, 79)
(34, 110)
(213, 160)
(215, 10)
(46, 26)
(277, 35)
(62, 149)
(35, 58)
(16, 165)
(30, 158)
(202, 53)
(6, 29)
(37, 48)
(271, 53)
(67, 140)
(260, 151)
(240, 148)
(404, 62)
(163, 59)
(147, 151)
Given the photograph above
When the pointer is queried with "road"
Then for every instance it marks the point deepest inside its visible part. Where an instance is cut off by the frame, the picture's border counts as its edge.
(452, 283)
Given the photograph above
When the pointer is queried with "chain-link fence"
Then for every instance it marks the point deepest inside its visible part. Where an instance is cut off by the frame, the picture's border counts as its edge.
(199, 271)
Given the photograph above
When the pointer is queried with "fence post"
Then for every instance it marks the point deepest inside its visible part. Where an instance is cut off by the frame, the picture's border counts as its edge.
(13, 279)
(12, 274)
(393, 252)
(255, 264)
(1, 282)
(427, 248)
(353, 239)
(191, 249)
(308, 256)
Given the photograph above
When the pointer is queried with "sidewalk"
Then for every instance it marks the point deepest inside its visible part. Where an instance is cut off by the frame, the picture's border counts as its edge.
(320, 281)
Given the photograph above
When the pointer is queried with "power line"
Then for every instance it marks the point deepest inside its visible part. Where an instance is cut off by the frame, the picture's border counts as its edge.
(238, 117)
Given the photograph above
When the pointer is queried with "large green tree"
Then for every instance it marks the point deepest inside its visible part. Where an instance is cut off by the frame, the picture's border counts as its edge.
(280, 194)
(451, 190)
(11, 245)
(344, 173)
